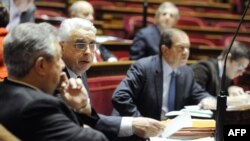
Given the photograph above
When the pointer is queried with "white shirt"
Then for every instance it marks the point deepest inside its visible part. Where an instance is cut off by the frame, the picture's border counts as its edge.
(167, 70)
(126, 122)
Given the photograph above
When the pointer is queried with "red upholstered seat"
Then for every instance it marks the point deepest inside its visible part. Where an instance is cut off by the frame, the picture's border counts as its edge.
(133, 23)
(190, 21)
(101, 89)
(201, 41)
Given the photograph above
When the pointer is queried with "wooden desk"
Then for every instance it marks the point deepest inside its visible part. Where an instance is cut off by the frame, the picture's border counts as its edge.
(114, 68)
(196, 52)
(197, 4)
(49, 4)
(139, 11)
(106, 68)
(5, 135)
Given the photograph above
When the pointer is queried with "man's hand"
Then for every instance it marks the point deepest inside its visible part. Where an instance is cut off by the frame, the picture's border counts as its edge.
(208, 103)
(75, 94)
(235, 91)
(147, 127)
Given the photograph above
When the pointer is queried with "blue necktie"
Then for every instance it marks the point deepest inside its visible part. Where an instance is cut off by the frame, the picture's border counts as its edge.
(171, 93)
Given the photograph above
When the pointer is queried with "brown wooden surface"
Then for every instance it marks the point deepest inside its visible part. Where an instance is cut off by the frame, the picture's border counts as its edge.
(114, 68)
(198, 4)
(5, 135)
(197, 52)
(151, 12)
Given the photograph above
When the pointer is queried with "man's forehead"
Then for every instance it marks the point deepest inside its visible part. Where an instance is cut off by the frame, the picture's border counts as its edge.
(170, 10)
(82, 35)
(181, 40)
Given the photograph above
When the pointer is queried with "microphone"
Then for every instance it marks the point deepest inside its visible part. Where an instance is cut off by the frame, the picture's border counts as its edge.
(222, 98)
(145, 13)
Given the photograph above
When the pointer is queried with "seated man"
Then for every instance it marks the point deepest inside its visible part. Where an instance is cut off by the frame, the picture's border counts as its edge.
(209, 73)
(83, 9)
(28, 109)
(146, 41)
(78, 49)
(158, 84)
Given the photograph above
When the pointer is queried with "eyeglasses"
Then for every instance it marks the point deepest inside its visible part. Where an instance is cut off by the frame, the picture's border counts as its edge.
(83, 46)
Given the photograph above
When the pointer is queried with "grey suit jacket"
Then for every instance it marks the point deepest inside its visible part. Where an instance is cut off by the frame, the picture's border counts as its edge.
(140, 93)
(32, 115)
(145, 43)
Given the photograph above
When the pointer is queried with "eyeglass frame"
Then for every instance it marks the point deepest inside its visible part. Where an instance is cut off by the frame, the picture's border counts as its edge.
(92, 46)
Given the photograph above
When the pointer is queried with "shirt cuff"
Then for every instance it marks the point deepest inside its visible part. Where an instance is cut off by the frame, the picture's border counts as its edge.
(126, 127)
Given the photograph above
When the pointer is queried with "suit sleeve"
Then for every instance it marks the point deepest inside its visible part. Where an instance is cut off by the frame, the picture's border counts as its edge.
(105, 53)
(138, 47)
(125, 96)
(198, 93)
(109, 125)
(50, 123)
(201, 74)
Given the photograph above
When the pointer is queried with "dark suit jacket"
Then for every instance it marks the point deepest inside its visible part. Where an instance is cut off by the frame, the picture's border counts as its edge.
(109, 125)
(145, 43)
(105, 53)
(207, 75)
(32, 115)
(140, 93)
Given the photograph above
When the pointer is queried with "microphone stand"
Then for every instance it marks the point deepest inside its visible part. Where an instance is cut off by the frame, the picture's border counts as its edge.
(145, 13)
(222, 98)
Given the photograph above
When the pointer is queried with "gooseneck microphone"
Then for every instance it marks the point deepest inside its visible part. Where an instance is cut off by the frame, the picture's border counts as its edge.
(222, 98)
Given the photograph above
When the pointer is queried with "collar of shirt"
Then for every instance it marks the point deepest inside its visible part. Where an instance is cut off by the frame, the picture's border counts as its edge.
(71, 73)
(23, 83)
(166, 68)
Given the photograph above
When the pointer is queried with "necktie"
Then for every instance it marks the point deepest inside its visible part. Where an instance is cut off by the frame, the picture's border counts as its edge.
(171, 93)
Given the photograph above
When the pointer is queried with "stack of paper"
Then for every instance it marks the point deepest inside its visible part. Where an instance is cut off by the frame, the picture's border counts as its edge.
(183, 127)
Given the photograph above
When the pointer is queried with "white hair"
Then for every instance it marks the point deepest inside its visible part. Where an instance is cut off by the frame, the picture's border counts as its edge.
(68, 25)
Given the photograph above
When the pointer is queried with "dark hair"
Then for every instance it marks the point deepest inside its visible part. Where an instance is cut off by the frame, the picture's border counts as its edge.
(167, 36)
(4, 15)
(238, 51)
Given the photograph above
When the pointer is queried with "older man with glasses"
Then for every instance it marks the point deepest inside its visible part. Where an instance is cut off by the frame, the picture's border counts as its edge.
(77, 39)
(209, 73)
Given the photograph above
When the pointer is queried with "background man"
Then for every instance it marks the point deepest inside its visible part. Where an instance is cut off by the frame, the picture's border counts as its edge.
(83, 9)
(146, 41)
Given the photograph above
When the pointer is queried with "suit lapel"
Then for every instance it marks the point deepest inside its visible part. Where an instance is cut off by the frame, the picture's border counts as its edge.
(158, 81)
(180, 82)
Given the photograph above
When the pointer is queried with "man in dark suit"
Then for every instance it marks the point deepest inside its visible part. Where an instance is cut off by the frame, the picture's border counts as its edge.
(146, 41)
(77, 39)
(209, 73)
(32, 55)
(145, 89)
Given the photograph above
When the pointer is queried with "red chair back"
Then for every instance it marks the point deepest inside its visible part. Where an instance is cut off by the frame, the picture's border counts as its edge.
(101, 89)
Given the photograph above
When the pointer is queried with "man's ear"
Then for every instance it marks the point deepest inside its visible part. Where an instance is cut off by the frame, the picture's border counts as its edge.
(41, 66)
(164, 50)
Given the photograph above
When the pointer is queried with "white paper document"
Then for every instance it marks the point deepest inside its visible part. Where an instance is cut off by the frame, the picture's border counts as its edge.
(181, 121)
